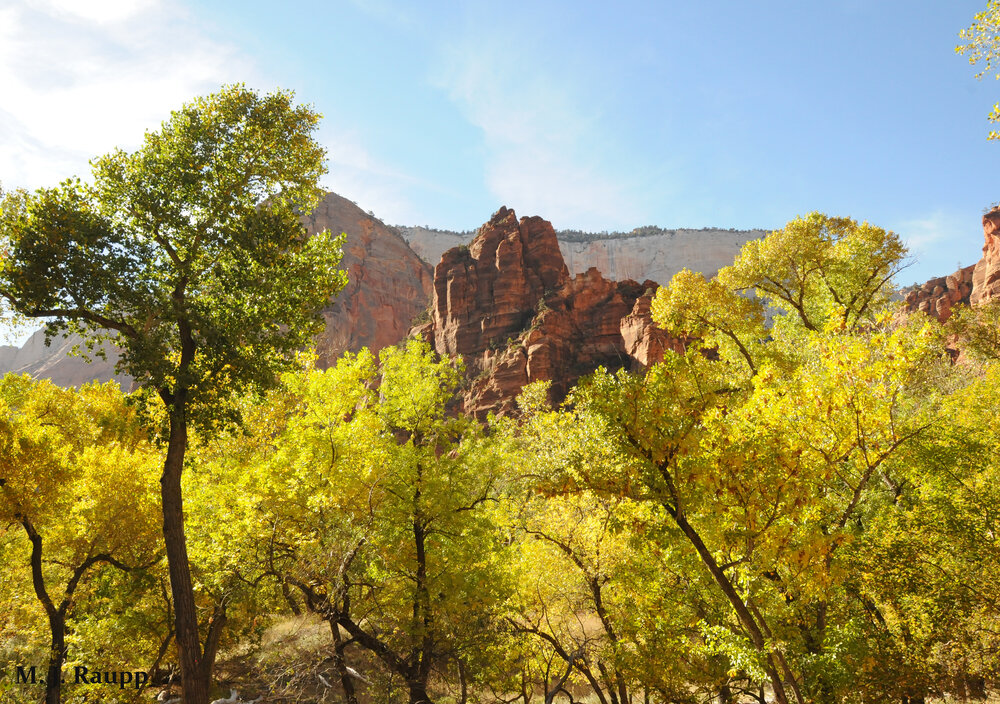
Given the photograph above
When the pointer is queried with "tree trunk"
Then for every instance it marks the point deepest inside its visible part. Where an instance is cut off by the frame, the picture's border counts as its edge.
(422, 619)
(742, 612)
(57, 656)
(215, 627)
(418, 693)
(57, 618)
(346, 681)
(194, 678)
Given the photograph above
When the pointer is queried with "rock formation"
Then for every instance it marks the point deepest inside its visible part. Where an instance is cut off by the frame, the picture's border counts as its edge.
(388, 284)
(971, 285)
(507, 305)
(656, 256)
(986, 276)
(938, 296)
(646, 253)
(58, 362)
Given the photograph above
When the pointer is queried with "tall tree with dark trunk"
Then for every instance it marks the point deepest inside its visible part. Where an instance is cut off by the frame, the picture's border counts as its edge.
(190, 256)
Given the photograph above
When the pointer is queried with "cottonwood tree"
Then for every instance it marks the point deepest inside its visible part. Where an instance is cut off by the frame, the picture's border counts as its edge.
(376, 508)
(189, 255)
(600, 604)
(77, 475)
(764, 446)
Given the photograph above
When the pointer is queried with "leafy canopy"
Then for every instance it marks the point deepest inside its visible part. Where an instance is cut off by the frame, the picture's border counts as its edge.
(189, 251)
(983, 45)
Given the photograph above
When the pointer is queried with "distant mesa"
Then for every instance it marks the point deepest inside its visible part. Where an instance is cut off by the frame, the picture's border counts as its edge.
(644, 253)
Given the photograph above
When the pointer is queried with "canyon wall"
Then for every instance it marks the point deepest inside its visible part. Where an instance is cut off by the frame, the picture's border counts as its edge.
(388, 286)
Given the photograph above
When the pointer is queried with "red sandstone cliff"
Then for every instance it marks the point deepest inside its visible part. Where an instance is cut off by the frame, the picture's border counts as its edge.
(986, 276)
(388, 284)
(508, 306)
(971, 285)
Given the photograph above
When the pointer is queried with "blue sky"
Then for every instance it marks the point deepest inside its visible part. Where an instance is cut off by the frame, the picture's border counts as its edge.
(594, 115)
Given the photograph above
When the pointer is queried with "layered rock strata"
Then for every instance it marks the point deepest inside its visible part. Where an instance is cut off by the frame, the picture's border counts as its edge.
(645, 253)
(388, 284)
(508, 306)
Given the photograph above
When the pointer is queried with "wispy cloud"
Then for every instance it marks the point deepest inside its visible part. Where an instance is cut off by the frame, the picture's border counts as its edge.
(80, 78)
(939, 242)
(544, 149)
(371, 183)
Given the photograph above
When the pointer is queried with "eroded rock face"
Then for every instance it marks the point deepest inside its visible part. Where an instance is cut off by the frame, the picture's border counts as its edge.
(388, 284)
(659, 256)
(971, 285)
(57, 362)
(986, 277)
(488, 291)
(938, 296)
(645, 342)
(508, 307)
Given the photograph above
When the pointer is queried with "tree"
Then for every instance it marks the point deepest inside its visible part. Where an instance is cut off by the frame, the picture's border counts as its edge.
(189, 255)
(766, 447)
(377, 509)
(983, 45)
(76, 475)
(599, 601)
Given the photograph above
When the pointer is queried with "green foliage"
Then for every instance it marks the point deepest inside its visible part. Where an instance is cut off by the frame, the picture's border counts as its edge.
(983, 45)
(803, 503)
(380, 510)
(189, 251)
(977, 330)
(766, 449)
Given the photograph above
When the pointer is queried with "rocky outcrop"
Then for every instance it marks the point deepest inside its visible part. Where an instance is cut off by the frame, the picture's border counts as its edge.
(986, 276)
(938, 296)
(388, 284)
(508, 306)
(646, 342)
(971, 285)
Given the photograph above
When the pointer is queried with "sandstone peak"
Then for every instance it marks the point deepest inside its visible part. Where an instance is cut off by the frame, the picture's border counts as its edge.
(507, 305)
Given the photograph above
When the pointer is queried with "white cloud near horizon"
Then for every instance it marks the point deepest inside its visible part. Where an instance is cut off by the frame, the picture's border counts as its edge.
(938, 242)
(544, 149)
(80, 78)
